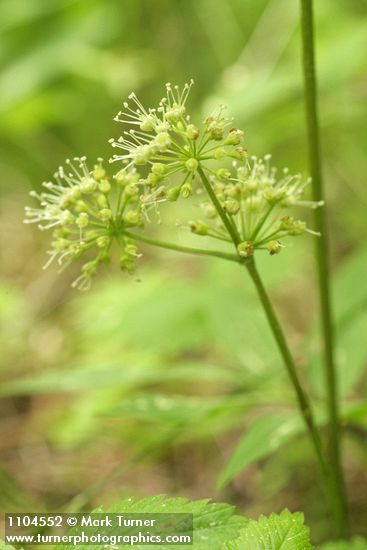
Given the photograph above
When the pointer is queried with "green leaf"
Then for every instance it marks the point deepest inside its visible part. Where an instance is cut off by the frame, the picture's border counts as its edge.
(4, 546)
(276, 532)
(103, 376)
(214, 524)
(265, 435)
(355, 544)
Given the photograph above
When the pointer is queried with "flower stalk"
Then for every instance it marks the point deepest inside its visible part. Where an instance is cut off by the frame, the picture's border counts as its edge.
(322, 257)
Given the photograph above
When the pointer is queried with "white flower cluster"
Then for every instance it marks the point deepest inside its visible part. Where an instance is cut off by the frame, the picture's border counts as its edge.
(87, 212)
(163, 156)
(165, 142)
(255, 200)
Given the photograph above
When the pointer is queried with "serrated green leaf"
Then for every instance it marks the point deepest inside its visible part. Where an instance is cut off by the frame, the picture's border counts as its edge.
(4, 546)
(214, 523)
(285, 531)
(265, 435)
(355, 544)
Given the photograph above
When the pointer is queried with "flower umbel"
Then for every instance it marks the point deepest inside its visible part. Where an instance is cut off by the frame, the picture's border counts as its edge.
(165, 142)
(164, 157)
(87, 212)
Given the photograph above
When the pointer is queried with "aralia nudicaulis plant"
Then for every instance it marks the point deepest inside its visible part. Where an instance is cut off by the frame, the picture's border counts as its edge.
(164, 156)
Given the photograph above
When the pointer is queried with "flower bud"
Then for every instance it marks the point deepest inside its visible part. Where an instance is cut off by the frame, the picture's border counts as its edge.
(104, 186)
(102, 201)
(158, 169)
(245, 249)
(103, 241)
(274, 247)
(82, 220)
(186, 190)
(234, 137)
(131, 190)
(99, 173)
(131, 249)
(199, 228)
(219, 153)
(162, 141)
(192, 132)
(173, 193)
(231, 207)
(191, 165)
(223, 174)
(88, 185)
(133, 218)
(105, 215)
(147, 123)
(127, 263)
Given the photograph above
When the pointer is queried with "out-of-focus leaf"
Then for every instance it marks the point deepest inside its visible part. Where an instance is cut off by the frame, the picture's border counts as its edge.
(100, 377)
(285, 531)
(355, 544)
(264, 436)
(350, 297)
(213, 524)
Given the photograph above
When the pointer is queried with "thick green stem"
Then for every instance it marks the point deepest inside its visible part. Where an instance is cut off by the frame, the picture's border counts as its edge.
(181, 248)
(322, 255)
(302, 398)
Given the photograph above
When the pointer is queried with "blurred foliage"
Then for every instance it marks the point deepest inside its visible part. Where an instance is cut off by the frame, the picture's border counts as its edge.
(146, 387)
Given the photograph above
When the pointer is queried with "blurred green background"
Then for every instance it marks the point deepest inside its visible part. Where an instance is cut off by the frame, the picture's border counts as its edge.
(138, 388)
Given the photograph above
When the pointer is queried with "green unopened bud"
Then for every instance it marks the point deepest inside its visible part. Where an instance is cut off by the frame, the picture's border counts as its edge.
(82, 220)
(131, 249)
(105, 215)
(99, 173)
(273, 195)
(214, 128)
(192, 131)
(231, 207)
(104, 186)
(81, 206)
(131, 190)
(133, 218)
(292, 226)
(152, 180)
(199, 228)
(233, 191)
(191, 165)
(103, 241)
(234, 137)
(102, 201)
(158, 169)
(238, 153)
(173, 193)
(219, 153)
(60, 244)
(186, 190)
(122, 178)
(88, 185)
(147, 123)
(127, 263)
(245, 249)
(274, 247)
(223, 174)
(162, 141)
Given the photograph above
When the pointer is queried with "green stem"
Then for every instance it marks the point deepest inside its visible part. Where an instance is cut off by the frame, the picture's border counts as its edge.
(181, 248)
(322, 255)
(226, 221)
(302, 398)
